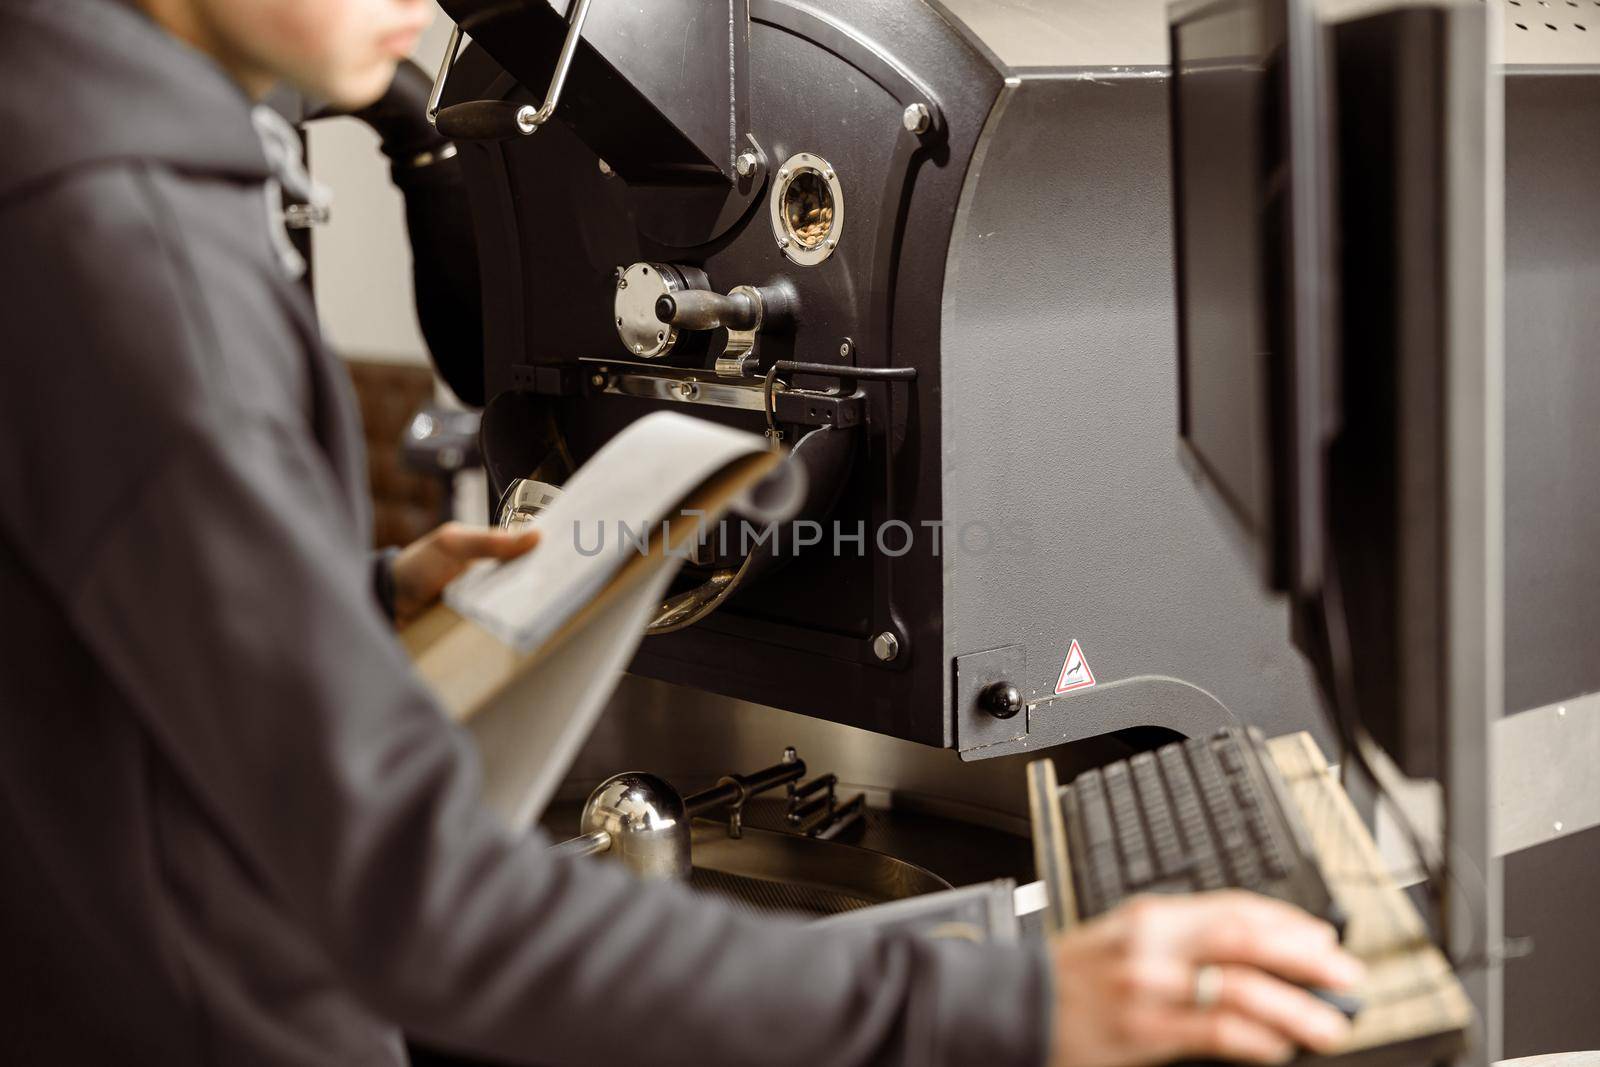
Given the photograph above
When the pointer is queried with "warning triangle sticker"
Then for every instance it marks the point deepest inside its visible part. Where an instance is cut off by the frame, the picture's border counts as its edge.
(1075, 672)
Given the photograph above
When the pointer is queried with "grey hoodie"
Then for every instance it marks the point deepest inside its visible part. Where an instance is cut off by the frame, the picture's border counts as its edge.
(233, 829)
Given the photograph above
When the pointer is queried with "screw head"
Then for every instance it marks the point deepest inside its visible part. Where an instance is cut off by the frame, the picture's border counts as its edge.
(783, 242)
(827, 175)
(845, 348)
(746, 164)
(832, 243)
(622, 283)
(783, 175)
(916, 118)
(637, 347)
(886, 646)
(597, 380)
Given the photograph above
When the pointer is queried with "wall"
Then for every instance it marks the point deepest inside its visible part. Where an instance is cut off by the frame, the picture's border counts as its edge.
(361, 262)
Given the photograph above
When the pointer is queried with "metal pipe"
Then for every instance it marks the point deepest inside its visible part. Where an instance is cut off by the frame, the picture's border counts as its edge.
(558, 80)
(801, 814)
(737, 788)
(591, 844)
(451, 50)
(816, 785)
(852, 811)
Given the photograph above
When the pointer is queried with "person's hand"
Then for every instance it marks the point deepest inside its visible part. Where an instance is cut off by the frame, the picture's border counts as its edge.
(423, 568)
(1129, 984)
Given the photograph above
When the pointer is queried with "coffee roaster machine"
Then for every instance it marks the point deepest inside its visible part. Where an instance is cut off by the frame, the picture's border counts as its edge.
(926, 246)
(938, 270)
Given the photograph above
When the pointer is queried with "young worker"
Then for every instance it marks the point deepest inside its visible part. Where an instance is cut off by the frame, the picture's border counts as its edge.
(234, 829)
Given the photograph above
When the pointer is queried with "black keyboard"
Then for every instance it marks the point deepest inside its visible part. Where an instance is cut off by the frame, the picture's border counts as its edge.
(1206, 813)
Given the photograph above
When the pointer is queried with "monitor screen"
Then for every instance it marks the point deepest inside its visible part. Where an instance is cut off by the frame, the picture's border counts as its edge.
(1237, 176)
(1332, 262)
(1219, 99)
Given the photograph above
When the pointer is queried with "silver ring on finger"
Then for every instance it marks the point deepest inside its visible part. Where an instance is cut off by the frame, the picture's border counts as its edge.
(1207, 986)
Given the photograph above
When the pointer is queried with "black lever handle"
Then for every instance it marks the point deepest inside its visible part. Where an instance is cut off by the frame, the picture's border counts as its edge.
(487, 120)
(701, 309)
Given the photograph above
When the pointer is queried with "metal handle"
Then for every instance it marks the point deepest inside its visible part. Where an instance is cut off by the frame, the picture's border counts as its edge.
(486, 120)
(701, 309)
(527, 119)
(451, 50)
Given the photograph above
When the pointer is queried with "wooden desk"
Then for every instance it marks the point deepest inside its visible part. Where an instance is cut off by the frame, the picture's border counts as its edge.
(1412, 1002)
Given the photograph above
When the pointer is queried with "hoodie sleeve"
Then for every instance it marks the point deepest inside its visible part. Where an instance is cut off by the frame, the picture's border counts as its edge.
(225, 591)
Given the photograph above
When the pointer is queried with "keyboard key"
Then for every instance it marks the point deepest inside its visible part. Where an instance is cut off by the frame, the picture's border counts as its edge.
(1158, 812)
(1227, 750)
(1092, 803)
(1186, 798)
(1137, 866)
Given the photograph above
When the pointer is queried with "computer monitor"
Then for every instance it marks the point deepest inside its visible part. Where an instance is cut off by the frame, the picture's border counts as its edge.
(1250, 150)
(1388, 480)
(1331, 280)
(1402, 624)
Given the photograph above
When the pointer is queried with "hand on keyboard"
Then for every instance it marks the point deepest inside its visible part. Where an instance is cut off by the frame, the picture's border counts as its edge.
(1212, 975)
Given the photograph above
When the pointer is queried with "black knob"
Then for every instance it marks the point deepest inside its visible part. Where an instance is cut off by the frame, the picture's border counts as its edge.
(486, 120)
(1001, 699)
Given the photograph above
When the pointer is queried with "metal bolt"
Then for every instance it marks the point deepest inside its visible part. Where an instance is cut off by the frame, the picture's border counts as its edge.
(783, 242)
(598, 381)
(622, 283)
(832, 243)
(783, 175)
(637, 347)
(916, 118)
(746, 164)
(886, 646)
(827, 175)
(845, 348)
